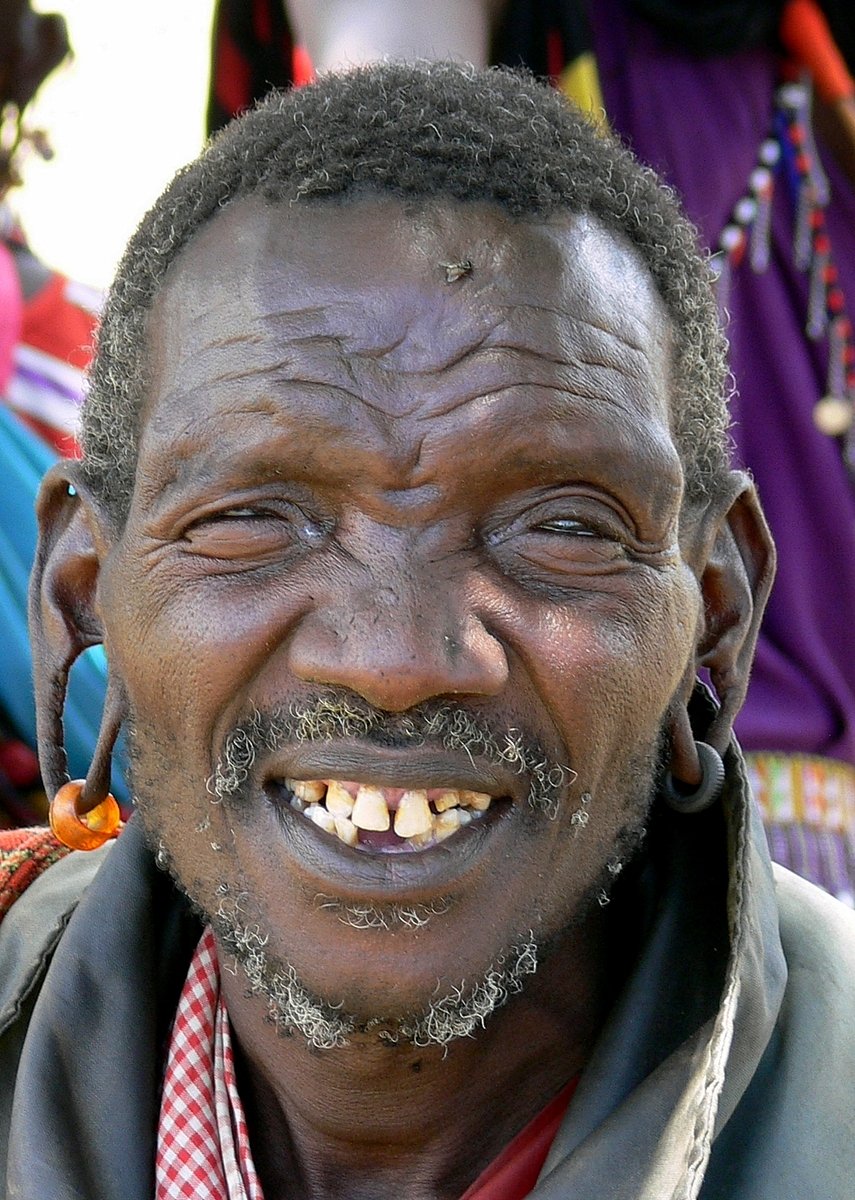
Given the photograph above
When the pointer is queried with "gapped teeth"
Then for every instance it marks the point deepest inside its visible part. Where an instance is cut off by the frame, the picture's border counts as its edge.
(446, 823)
(413, 815)
(370, 811)
(346, 831)
(420, 818)
(308, 791)
(339, 801)
(318, 814)
(480, 801)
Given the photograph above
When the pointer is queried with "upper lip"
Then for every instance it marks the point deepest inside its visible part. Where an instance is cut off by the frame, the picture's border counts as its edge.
(415, 767)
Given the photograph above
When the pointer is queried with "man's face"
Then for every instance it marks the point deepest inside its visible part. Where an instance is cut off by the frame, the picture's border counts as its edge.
(412, 527)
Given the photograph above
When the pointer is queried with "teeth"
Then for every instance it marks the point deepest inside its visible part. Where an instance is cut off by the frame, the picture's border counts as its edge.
(480, 801)
(420, 840)
(310, 791)
(339, 800)
(418, 821)
(413, 815)
(346, 831)
(318, 814)
(370, 811)
(447, 823)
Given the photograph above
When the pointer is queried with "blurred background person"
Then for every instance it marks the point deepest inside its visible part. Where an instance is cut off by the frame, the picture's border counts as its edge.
(47, 328)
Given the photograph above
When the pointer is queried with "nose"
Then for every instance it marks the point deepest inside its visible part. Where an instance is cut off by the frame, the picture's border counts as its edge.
(397, 647)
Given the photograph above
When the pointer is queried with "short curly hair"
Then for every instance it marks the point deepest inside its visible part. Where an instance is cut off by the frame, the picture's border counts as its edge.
(416, 131)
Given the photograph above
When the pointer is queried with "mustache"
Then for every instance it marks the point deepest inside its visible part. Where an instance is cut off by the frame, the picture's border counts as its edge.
(449, 726)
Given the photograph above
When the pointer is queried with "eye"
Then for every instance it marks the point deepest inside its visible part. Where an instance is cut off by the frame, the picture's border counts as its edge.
(556, 540)
(568, 526)
(254, 534)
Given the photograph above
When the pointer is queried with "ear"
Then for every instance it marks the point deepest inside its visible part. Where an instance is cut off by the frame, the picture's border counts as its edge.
(73, 540)
(736, 565)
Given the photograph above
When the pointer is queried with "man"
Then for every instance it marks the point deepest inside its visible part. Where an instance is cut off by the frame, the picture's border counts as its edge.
(703, 94)
(406, 521)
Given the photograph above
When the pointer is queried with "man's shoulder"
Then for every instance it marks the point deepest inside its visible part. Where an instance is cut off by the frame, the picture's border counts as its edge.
(40, 886)
(818, 939)
(817, 931)
(813, 1055)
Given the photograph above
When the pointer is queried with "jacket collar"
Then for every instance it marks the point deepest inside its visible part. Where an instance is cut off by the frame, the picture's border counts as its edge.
(680, 1046)
(685, 1038)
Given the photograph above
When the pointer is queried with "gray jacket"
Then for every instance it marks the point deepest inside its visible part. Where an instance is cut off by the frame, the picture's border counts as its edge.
(725, 1070)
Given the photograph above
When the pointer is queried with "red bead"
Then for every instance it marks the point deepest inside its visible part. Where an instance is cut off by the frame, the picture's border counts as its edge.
(835, 300)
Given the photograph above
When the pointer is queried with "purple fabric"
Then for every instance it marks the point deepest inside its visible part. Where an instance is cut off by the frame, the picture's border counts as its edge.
(700, 123)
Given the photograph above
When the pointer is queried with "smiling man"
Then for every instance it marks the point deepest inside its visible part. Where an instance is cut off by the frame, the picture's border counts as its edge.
(406, 521)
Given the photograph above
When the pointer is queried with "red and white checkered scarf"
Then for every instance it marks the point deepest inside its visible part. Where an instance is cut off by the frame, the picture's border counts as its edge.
(203, 1150)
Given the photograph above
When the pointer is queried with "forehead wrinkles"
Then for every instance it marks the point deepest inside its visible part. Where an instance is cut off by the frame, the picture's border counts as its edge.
(545, 301)
(329, 383)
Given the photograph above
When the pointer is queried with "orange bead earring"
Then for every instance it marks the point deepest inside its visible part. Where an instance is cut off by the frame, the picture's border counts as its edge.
(87, 830)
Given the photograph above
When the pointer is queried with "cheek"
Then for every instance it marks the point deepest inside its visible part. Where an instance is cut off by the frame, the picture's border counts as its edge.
(190, 651)
(180, 816)
(607, 667)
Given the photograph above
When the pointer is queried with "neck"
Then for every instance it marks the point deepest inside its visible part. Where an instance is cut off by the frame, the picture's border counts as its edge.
(377, 1120)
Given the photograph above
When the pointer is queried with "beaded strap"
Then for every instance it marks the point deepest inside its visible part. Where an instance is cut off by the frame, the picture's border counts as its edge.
(24, 855)
(788, 158)
(808, 807)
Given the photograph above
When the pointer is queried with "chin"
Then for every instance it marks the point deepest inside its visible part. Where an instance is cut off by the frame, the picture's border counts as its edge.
(429, 1012)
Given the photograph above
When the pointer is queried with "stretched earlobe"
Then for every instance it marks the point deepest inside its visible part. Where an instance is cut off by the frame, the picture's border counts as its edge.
(695, 779)
(735, 582)
(63, 613)
(97, 785)
(685, 764)
(83, 813)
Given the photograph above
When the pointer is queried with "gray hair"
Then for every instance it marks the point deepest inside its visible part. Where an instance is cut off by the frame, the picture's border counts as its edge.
(416, 132)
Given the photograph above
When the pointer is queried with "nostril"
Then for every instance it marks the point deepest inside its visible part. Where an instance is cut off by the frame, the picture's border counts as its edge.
(396, 659)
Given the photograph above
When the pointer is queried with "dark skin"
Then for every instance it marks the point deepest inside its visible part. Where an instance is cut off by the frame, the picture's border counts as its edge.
(358, 479)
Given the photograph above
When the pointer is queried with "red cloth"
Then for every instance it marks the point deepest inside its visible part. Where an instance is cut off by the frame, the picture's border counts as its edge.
(805, 34)
(514, 1173)
(57, 336)
(11, 308)
(203, 1150)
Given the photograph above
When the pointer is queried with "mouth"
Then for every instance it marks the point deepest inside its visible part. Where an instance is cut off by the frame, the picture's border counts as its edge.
(386, 820)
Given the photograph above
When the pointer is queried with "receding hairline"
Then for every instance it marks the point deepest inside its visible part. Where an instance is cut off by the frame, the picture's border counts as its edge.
(416, 130)
(555, 293)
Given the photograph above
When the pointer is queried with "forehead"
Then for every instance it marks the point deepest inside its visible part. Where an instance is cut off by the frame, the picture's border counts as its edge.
(381, 243)
(313, 306)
